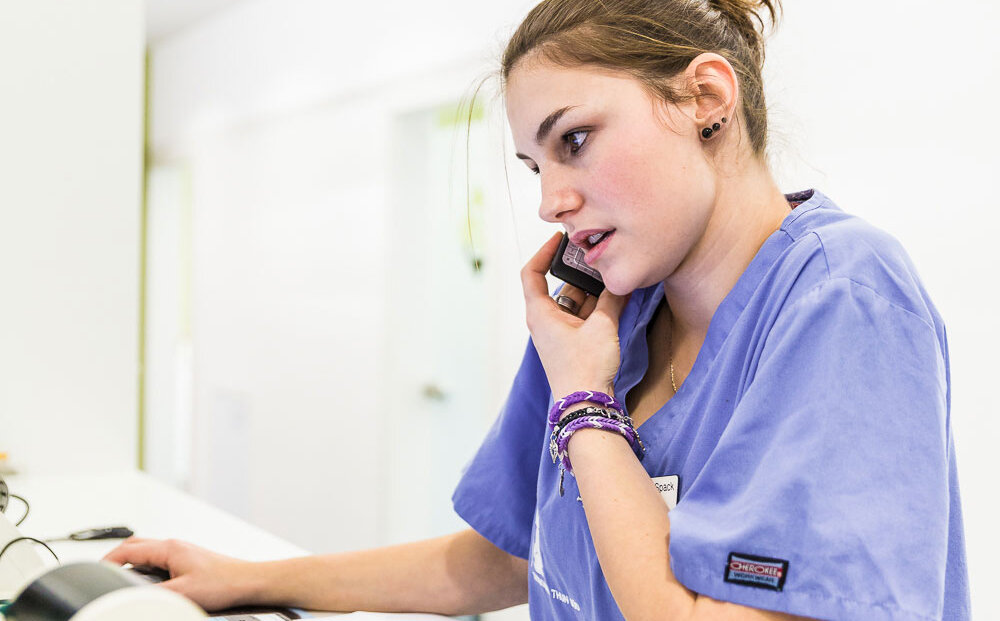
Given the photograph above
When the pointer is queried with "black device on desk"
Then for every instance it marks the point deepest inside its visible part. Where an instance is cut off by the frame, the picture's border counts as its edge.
(107, 532)
(151, 573)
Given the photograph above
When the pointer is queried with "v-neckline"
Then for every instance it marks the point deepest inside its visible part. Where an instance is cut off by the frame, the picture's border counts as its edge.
(723, 320)
(660, 390)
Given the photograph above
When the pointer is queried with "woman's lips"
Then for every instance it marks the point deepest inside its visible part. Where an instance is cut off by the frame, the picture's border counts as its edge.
(582, 238)
(596, 251)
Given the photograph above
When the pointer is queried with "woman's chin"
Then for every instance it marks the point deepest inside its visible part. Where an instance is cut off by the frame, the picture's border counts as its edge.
(624, 286)
(618, 287)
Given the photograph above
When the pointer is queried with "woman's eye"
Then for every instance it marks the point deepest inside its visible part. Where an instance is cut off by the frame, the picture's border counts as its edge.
(575, 139)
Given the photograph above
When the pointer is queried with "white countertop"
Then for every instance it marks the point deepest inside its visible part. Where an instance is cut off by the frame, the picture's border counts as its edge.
(65, 503)
(61, 504)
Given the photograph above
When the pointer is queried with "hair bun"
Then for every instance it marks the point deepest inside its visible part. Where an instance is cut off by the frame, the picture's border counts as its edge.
(747, 16)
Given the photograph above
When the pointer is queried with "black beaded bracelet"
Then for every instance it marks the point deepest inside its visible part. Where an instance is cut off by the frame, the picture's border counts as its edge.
(592, 411)
(578, 414)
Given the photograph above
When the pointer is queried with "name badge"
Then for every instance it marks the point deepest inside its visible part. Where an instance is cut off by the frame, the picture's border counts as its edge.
(668, 487)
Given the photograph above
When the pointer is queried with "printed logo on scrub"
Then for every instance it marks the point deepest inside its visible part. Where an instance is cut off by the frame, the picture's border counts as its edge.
(756, 571)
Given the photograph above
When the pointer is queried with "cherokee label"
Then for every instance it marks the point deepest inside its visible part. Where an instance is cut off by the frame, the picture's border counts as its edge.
(756, 571)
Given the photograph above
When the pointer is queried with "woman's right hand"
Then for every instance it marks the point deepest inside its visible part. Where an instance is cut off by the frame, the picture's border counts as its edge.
(211, 580)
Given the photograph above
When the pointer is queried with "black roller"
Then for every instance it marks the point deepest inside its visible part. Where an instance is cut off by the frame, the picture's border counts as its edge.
(60, 593)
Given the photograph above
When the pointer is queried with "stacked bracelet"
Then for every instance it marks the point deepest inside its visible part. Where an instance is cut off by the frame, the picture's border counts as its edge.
(578, 414)
(561, 405)
(590, 418)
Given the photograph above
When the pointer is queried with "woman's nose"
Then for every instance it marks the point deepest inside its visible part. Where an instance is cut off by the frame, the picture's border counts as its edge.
(558, 200)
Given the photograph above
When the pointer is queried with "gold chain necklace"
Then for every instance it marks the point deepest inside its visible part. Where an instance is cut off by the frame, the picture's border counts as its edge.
(670, 353)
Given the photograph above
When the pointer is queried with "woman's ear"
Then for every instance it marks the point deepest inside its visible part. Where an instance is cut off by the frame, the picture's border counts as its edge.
(713, 82)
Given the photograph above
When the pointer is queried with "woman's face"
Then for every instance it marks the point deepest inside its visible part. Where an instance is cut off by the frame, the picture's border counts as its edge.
(612, 158)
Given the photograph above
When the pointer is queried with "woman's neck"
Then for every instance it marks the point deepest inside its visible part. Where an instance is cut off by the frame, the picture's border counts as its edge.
(749, 207)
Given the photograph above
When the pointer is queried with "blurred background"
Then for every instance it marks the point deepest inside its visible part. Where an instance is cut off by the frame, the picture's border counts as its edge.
(258, 249)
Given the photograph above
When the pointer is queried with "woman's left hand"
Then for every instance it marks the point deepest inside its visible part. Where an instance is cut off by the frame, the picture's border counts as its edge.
(578, 352)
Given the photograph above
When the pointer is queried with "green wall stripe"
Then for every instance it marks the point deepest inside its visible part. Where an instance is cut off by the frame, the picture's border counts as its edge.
(143, 223)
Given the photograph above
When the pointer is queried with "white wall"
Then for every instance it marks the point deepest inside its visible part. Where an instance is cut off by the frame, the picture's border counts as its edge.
(285, 134)
(886, 108)
(283, 113)
(71, 106)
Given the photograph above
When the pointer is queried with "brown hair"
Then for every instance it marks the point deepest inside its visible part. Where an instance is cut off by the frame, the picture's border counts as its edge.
(653, 41)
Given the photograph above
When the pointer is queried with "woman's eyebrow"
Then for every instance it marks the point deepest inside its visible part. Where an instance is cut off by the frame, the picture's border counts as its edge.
(545, 127)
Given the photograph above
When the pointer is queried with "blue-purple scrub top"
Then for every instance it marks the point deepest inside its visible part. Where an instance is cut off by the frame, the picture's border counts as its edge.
(812, 441)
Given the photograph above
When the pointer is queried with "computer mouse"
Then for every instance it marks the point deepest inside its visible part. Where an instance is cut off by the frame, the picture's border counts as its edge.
(151, 572)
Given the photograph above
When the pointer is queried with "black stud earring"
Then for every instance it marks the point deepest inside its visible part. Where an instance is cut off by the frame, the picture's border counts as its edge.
(708, 131)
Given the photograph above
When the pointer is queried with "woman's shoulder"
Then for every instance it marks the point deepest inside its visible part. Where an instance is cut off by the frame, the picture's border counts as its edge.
(830, 244)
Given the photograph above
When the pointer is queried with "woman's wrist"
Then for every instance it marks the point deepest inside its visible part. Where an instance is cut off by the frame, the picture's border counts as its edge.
(563, 391)
(254, 583)
(568, 402)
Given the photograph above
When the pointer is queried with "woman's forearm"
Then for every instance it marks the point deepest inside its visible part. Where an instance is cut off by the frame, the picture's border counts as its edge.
(630, 527)
(462, 573)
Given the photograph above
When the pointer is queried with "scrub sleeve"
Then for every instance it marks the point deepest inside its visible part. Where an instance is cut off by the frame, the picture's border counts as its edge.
(833, 470)
(496, 494)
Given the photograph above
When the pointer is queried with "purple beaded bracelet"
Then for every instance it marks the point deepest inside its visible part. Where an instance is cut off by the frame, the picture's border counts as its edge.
(563, 404)
(593, 422)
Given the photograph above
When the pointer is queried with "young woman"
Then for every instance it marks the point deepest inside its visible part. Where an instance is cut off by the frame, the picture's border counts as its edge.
(768, 432)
